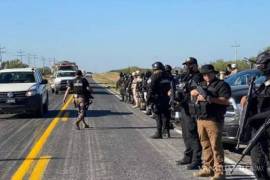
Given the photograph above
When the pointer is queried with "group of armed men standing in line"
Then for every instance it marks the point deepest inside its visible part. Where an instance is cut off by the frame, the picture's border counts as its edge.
(202, 100)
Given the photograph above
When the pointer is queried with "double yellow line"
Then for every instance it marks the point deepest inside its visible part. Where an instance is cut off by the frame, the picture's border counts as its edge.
(36, 149)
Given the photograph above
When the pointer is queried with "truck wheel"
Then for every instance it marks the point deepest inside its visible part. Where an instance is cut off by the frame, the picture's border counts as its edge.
(40, 111)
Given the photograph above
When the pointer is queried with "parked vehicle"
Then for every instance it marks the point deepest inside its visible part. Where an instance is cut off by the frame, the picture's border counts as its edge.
(239, 84)
(60, 80)
(244, 77)
(23, 91)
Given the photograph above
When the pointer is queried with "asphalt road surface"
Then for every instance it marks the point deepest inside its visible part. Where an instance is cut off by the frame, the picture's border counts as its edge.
(117, 146)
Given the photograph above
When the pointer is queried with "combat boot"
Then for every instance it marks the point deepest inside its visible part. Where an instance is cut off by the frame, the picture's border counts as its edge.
(194, 166)
(186, 160)
(78, 125)
(86, 126)
(205, 172)
(157, 136)
(218, 177)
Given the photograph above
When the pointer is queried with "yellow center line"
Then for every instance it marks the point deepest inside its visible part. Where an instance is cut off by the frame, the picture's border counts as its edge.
(40, 168)
(35, 150)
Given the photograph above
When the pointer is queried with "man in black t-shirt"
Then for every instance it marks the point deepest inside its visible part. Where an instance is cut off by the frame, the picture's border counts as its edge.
(212, 98)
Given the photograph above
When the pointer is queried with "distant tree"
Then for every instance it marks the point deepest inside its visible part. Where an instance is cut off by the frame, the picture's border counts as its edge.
(45, 71)
(220, 65)
(130, 69)
(14, 64)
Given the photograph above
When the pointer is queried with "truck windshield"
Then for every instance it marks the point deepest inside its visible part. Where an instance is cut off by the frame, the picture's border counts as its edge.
(66, 74)
(17, 77)
(67, 68)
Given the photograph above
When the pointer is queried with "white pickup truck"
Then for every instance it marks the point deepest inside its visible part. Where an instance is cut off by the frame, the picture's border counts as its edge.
(23, 90)
(60, 80)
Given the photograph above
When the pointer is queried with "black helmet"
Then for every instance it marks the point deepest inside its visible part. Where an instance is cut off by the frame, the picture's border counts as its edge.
(158, 66)
(168, 68)
(263, 62)
(121, 74)
(79, 73)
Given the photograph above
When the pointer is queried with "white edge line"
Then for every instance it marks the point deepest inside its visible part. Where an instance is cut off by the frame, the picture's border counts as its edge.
(227, 160)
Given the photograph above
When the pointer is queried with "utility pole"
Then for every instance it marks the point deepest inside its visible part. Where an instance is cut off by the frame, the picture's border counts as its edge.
(236, 46)
(2, 51)
(20, 55)
(35, 57)
(29, 56)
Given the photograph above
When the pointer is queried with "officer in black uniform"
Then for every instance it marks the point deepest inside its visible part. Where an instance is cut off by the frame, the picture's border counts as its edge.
(260, 154)
(158, 96)
(188, 81)
(82, 95)
(120, 84)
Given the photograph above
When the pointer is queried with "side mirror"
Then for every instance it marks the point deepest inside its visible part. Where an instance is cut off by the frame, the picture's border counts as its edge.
(44, 81)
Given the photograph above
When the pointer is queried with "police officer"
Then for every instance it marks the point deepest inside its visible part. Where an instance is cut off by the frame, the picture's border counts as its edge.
(186, 83)
(158, 96)
(82, 95)
(212, 98)
(120, 84)
(260, 108)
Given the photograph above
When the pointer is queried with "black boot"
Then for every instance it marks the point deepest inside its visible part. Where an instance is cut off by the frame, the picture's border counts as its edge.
(156, 136)
(186, 160)
(194, 166)
(168, 133)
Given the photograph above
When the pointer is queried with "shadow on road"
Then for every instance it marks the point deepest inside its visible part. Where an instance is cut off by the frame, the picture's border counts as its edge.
(35, 159)
(101, 93)
(108, 128)
(65, 113)
(99, 113)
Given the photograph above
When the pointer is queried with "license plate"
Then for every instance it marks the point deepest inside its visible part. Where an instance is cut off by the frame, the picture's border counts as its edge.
(11, 101)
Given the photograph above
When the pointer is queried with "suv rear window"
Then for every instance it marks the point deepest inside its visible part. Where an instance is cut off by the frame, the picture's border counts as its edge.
(17, 77)
(66, 74)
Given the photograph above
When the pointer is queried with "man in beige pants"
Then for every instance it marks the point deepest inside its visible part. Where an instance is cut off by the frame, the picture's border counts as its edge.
(212, 98)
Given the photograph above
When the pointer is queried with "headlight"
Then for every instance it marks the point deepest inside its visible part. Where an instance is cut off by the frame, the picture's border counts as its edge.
(32, 92)
(57, 81)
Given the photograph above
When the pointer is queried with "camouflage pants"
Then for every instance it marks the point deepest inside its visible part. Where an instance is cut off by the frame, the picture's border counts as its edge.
(80, 103)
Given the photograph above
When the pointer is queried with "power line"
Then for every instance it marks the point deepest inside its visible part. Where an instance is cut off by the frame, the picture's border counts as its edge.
(235, 46)
(2, 51)
(20, 55)
(35, 57)
(29, 57)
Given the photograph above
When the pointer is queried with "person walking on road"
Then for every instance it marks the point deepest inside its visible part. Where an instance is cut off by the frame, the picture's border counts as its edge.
(82, 95)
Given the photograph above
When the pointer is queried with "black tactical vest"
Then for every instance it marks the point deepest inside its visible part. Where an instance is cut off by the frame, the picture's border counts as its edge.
(164, 86)
(263, 99)
(78, 86)
(206, 110)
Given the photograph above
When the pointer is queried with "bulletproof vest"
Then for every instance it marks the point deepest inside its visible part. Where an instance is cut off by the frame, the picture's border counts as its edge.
(206, 110)
(263, 99)
(78, 86)
(164, 86)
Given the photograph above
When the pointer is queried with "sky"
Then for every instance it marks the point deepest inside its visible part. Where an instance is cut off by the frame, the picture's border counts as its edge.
(102, 35)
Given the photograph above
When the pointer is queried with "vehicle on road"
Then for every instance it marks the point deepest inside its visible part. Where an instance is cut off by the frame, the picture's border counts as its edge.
(61, 79)
(23, 90)
(64, 66)
(239, 84)
(244, 77)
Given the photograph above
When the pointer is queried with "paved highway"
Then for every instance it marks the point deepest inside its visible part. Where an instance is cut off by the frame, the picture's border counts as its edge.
(117, 146)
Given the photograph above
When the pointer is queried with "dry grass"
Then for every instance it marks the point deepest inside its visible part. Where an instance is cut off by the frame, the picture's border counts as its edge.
(107, 79)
